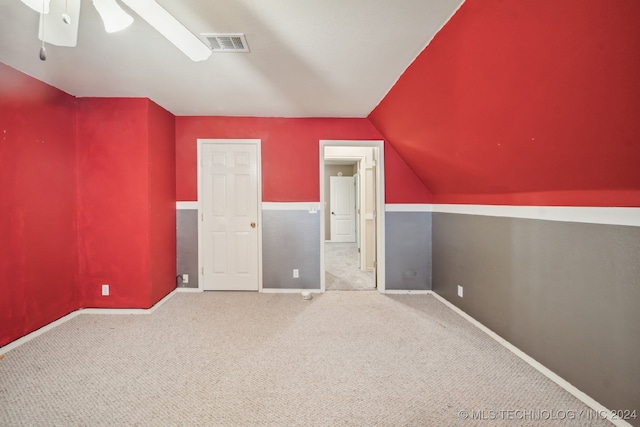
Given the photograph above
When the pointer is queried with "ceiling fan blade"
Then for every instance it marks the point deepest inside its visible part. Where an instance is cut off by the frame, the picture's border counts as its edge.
(171, 28)
(113, 16)
(40, 6)
(54, 29)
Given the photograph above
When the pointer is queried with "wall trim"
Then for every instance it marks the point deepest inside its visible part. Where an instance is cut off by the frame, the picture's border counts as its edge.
(586, 214)
(582, 214)
(312, 207)
(46, 328)
(578, 394)
(49, 326)
(408, 207)
(127, 310)
(186, 205)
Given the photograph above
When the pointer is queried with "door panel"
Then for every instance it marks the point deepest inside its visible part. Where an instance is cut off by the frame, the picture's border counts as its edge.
(229, 216)
(343, 209)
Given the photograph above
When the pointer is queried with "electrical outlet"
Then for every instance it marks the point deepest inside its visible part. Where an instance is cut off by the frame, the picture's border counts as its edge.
(460, 291)
(105, 290)
(185, 278)
(296, 273)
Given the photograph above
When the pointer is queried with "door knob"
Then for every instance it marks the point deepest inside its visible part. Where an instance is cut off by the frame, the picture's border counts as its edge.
(253, 225)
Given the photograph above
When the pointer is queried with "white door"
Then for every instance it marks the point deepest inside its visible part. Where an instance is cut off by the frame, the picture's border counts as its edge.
(229, 216)
(343, 208)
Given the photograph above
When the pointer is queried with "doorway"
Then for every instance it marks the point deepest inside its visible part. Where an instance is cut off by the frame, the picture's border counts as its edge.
(229, 239)
(352, 237)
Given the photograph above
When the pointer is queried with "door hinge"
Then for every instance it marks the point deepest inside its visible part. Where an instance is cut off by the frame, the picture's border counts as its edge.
(358, 250)
(375, 264)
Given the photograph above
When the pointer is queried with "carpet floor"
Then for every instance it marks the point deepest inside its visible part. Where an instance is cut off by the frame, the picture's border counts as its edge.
(342, 271)
(252, 359)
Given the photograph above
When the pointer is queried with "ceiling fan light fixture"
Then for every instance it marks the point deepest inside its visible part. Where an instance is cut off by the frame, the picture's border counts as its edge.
(113, 16)
(171, 28)
(40, 6)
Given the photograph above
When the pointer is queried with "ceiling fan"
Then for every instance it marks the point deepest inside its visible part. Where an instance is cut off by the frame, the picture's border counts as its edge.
(59, 23)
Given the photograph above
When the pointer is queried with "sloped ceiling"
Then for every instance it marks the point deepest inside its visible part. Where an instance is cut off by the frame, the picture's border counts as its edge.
(528, 101)
(312, 58)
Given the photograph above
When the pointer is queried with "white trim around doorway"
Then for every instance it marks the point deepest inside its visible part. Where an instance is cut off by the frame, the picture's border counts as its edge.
(380, 206)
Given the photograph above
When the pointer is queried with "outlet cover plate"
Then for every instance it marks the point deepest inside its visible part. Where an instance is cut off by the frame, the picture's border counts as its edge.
(105, 290)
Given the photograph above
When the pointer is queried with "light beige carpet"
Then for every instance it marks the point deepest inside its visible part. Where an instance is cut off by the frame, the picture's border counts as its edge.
(342, 270)
(250, 359)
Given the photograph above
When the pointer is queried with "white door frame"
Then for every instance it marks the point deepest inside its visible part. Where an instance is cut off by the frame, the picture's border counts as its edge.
(258, 144)
(380, 203)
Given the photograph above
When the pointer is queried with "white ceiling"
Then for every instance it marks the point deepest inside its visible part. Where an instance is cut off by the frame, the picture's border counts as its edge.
(311, 58)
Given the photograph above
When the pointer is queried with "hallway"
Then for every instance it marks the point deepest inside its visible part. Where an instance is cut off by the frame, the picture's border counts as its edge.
(341, 268)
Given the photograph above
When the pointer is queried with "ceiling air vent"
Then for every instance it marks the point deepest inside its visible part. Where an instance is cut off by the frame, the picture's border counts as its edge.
(227, 42)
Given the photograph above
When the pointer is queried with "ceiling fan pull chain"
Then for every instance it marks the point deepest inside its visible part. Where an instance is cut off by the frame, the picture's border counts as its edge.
(66, 18)
(43, 51)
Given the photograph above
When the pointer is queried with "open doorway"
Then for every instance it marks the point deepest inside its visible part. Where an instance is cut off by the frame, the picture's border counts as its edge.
(352, 209)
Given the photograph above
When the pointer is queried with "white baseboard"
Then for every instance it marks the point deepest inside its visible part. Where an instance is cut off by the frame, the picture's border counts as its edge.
(583, 397)
(189, 290)
(46, 328)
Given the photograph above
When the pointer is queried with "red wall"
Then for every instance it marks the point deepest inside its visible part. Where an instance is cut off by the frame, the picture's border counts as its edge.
(112, 201)
(38, 255)
(290, 155)
(524, 102)
(162, 202)
(126, 202)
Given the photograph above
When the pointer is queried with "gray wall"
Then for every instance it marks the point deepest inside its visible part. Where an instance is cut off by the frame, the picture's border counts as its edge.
(565, 293)
(408, 250)
(187, 245)
(290, 239)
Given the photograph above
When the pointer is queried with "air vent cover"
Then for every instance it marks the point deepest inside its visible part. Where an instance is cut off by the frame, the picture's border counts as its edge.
(227, 42)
